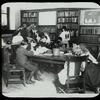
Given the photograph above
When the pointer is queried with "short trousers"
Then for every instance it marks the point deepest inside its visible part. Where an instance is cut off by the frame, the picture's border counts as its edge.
(31, 67)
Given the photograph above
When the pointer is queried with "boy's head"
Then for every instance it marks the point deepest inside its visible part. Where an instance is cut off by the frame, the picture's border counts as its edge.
(24, 44)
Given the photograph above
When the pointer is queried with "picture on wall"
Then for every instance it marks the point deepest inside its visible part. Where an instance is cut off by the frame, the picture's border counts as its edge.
(90, 17)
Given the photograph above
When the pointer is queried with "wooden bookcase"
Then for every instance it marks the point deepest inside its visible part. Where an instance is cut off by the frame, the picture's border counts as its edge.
(29, 17)
(50, 29)
(70, 19)
(65, 17)
(90, 35)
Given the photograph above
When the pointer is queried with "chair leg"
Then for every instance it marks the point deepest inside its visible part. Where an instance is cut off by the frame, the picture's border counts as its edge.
(7, 79)
(84, 88)
(67, 83)
(7, 83)
(23, 77)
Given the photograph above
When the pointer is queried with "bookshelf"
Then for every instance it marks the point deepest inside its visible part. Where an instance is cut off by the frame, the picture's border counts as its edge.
(65, 17)
(50, 29)
(90, 35)
(70, 19)
(29, 17)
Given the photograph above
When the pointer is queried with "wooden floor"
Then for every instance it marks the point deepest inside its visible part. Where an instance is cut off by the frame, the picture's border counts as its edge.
(44, 88)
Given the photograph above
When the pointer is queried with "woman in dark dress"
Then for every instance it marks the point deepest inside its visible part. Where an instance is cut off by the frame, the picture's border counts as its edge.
(92, 76)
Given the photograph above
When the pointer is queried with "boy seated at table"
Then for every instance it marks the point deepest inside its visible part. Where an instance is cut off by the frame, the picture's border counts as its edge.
(22, 60)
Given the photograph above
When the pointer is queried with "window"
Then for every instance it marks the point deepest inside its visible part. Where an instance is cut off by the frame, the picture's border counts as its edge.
(5, 18)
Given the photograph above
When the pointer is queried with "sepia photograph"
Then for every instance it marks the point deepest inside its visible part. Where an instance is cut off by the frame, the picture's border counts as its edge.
(50, 49)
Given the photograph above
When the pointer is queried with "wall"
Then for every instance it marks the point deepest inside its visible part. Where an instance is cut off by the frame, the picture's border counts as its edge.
(16, 7)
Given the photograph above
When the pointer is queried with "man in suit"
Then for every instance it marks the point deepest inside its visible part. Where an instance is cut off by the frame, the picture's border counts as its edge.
(22, 60)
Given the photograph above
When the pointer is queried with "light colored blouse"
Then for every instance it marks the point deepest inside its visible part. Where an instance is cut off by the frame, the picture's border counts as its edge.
(17, 39)
(65, 35)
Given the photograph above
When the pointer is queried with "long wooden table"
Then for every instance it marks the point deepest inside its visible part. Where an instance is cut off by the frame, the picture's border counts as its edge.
(57, 59)
(49, 63)
(49, 59)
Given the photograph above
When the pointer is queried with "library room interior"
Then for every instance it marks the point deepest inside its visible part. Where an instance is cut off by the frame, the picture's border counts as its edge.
(50, 49)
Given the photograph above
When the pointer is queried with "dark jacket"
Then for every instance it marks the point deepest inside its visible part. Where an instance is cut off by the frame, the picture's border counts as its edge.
(22, 56)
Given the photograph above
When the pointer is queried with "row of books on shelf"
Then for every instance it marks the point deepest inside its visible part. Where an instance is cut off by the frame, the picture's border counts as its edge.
(68, 13)
(90, 39)
(73, 33)
(29, 14)
(27, 24)
(73, 19)
(47, 29)
(29, 19)
(23, 24)
(92, 48)
(68, 26)
(90, 31)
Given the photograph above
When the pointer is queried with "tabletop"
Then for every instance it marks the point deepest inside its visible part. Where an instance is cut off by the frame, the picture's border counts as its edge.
(57, 59)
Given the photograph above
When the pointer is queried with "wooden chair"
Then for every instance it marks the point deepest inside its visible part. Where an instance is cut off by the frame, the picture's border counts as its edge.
(14, 73)
(75, 82)
(13, 53)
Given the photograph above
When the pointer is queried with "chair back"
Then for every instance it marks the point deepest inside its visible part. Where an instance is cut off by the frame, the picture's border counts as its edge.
(6, 59)
(74, 65)
(6, 56)
(13, 53)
